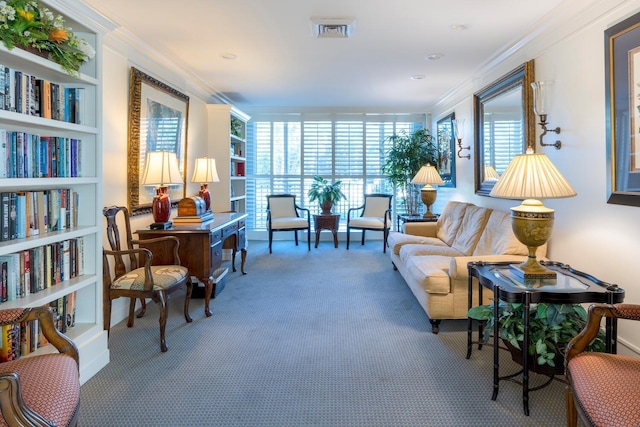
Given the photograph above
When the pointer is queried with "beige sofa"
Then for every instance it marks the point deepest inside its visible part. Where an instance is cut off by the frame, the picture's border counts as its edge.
(432, 257)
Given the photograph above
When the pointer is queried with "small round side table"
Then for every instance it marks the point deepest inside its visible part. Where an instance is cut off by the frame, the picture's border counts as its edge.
(327, 222)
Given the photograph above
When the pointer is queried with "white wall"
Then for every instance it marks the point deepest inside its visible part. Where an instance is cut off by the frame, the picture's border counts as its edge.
(118, 58)
(589, 234)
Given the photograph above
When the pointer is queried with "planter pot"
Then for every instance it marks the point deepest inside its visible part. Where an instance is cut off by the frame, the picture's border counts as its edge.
(516, 356)
(326, 207)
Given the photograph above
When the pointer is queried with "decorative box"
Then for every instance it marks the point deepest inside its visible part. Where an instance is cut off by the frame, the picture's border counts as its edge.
(191, 206)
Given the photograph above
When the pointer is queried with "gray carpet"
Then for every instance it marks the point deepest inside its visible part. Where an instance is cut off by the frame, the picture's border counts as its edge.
(322, 338)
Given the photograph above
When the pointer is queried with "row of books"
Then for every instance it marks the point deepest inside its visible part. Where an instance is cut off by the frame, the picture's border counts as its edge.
(25, 155)
(237, 169)
(236, 149)
(33, 270)
(22, 339)
(193, 219)
(31, 95)
(29, 213)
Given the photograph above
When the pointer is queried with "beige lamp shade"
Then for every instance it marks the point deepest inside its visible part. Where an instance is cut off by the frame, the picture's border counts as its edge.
(532, 176)
(161, 169)
(427, 175)
(205, 170)
(490, 174)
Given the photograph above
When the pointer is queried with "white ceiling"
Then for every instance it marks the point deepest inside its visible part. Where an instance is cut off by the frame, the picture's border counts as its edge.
(281, 64)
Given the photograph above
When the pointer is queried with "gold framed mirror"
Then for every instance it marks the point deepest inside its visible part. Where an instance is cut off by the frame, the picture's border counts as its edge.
(504, 124)
(158, 120)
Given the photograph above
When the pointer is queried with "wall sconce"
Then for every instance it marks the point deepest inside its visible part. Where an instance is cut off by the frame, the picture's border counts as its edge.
(540, 103)
(205, 172)
(458, 130)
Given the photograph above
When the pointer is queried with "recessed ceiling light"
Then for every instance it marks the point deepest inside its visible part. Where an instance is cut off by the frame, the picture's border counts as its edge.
(458, 27)
(434, 56)
(229, 56)
(417, 77)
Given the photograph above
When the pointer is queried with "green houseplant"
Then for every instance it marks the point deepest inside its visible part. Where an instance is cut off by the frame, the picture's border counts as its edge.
(405, 157)
(551, 327)
(325, 193)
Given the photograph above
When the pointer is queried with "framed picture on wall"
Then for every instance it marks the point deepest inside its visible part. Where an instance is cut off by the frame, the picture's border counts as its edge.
(158, 120)
(446, 150)
(622, 79)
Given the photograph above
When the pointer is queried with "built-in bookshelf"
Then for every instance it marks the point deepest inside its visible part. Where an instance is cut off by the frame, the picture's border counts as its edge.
(227, 127)
(51, 180)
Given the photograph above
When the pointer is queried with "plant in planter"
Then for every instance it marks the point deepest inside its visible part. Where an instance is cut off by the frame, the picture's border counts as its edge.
(408, 153)
(325, 193)
(551, 327)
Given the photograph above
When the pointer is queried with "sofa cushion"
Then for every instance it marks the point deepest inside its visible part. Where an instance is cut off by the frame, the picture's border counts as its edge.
(431, 272)
(396, 240)
(410, 250)
(473, 222)
(498, 238)
(450, 220)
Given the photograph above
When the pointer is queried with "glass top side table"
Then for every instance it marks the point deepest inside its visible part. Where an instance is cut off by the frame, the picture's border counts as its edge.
(569, 287)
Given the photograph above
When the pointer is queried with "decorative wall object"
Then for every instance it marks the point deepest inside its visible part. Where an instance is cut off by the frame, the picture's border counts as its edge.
(622, 77)
(446, 161)
(158, 120)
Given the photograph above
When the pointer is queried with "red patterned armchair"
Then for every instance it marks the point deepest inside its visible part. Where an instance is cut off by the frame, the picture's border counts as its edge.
(40, 389)
(602, 389)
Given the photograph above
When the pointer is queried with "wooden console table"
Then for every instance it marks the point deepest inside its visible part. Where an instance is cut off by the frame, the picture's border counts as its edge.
(201, 247)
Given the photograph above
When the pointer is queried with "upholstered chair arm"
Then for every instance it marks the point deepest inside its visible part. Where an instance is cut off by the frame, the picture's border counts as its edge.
(353, 210)
(596, 311)
(44, 315)
(142, 252)
(14, 411)
(300, 208)
(172, 241)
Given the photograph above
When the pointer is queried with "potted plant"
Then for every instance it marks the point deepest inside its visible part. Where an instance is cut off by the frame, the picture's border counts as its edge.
(551, 327)
(405, 157)
(325, 193)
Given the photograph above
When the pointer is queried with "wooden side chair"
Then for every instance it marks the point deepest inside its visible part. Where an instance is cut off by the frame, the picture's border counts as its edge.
(375, 215)
(283, 214)
(41, 389)
(128, 271)
(602, 389)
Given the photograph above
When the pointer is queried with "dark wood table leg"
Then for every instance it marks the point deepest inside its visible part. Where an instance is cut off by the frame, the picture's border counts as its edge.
(525, 353)
(496, 348)
(243, 259)
(317, 237)
(208, 289)
(335, 238)
(233, 259)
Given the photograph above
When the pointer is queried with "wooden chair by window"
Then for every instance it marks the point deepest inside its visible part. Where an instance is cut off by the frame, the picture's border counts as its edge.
(42, 389)
(375, 215)
(602, 389)
(283, 214)
(138, 277)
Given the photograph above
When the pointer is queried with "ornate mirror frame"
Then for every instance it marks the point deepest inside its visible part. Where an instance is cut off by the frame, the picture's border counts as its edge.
(517, 81)
(151, 105)
(446, 150)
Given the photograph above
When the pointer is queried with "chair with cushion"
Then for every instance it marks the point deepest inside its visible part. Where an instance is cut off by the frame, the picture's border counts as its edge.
(283, 214)
(375, 215)
(603, 389)
(128, 271)
(41, 389)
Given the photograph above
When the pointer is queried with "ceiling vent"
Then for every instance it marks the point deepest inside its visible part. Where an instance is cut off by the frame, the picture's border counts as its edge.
(332, 28)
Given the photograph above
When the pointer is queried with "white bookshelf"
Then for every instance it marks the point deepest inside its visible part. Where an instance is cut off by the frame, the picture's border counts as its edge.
(88, 333)
(227, 144)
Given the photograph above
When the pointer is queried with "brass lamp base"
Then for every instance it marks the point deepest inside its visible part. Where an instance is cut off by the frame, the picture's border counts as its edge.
(532, 224)
(428, 195)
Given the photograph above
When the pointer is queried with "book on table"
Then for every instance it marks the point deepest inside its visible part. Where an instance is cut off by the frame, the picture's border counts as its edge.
(194, 219)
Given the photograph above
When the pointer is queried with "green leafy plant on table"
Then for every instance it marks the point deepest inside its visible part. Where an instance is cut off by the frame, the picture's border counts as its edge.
(404, 158)
(551, 327)
(325, 193)
(29, 25)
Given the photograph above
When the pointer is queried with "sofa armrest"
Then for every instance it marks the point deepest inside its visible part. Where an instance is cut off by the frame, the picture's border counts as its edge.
(426, 229)
(458, 267)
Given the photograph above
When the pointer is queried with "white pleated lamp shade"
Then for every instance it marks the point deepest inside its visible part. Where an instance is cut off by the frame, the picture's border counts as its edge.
(427, 175)
(161, 169)
(205, 170)
(532, 176)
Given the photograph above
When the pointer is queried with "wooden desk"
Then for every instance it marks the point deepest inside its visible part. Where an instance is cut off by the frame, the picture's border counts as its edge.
(201, 247)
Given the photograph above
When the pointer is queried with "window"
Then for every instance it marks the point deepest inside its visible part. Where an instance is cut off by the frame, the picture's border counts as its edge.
(285, 152)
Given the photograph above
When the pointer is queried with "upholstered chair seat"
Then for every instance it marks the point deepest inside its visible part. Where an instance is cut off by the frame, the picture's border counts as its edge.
(164, 276)
(603, 389)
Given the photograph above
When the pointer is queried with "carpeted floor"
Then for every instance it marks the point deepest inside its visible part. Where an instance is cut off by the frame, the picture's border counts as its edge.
(322, 338)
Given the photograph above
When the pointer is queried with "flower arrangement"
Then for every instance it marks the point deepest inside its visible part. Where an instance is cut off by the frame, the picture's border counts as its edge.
(27, 24)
